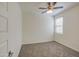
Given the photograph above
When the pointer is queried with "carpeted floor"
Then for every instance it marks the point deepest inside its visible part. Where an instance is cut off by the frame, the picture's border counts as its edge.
(48, 49)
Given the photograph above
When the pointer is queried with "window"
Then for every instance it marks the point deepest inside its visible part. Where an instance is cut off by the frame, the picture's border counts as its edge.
(59, 25)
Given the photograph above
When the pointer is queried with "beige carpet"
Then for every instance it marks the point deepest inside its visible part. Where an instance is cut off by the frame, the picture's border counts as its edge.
(48, 49)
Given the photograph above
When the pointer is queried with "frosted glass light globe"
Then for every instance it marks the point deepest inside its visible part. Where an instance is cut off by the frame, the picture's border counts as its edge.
(49, 11)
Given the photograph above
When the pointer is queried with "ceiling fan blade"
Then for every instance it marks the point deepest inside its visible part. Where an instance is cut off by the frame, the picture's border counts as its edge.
(54, 3)
(44, 11)
(42, 8)
(58, 7)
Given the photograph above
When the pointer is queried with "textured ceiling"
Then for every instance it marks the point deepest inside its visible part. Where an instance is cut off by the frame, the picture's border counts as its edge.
(33, 6)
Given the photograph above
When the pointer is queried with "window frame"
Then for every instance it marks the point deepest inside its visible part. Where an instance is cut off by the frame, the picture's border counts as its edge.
(58, 26)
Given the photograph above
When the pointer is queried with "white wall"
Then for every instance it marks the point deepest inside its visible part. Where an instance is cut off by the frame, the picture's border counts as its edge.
(37, 27)
(14, 28)
(70, 37)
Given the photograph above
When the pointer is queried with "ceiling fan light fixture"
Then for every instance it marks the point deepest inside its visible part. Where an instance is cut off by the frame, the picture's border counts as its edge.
(49, 11)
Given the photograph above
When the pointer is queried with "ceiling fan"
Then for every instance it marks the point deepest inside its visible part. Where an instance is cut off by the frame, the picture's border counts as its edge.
(50, 8)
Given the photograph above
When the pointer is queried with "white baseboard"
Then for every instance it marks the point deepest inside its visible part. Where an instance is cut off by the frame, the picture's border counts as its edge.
(37, 42)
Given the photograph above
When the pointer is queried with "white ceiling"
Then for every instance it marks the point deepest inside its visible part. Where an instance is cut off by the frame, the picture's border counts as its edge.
(33, 6)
